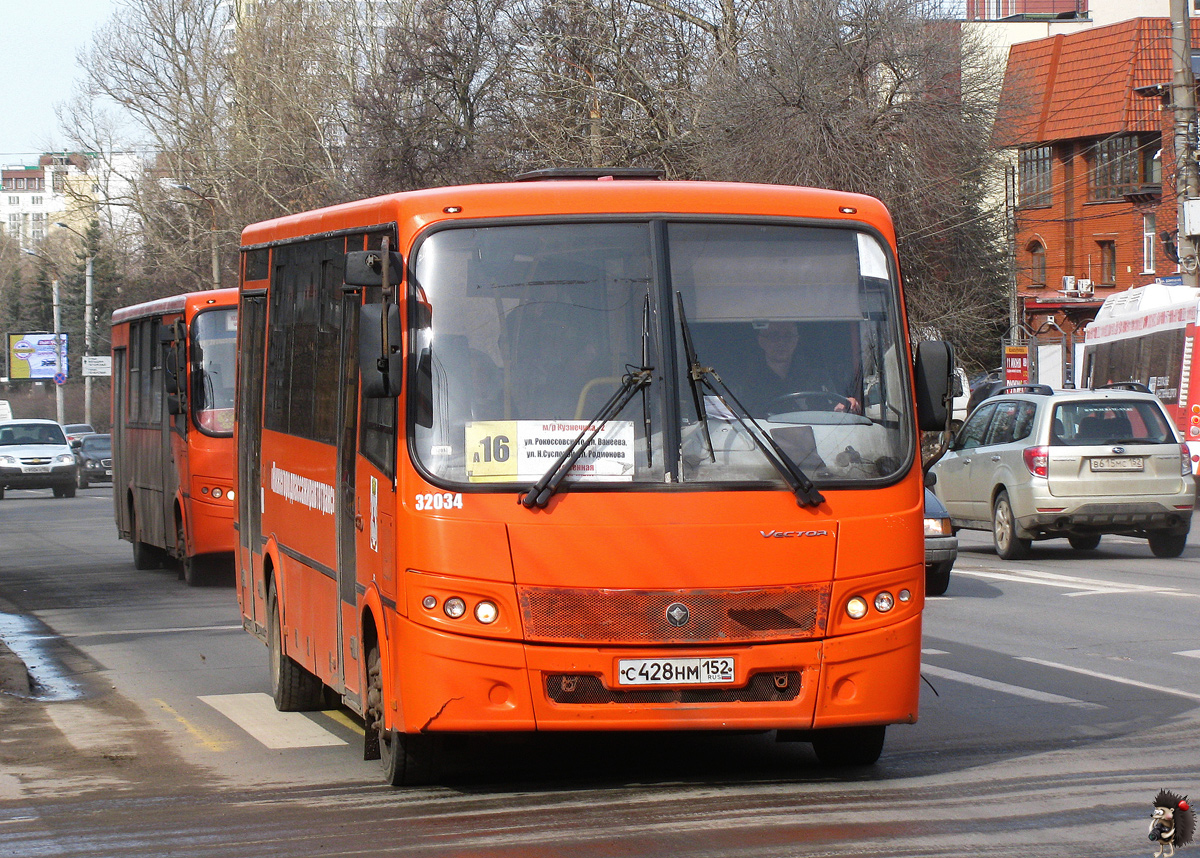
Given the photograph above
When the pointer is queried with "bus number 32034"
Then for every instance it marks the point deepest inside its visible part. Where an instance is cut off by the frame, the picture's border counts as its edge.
(439, 500)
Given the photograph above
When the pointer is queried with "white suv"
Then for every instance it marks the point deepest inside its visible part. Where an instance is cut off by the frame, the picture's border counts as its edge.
(34, 454)
(1033, 463)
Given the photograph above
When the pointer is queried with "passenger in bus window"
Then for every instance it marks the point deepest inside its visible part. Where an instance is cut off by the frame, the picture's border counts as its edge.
(778, 369)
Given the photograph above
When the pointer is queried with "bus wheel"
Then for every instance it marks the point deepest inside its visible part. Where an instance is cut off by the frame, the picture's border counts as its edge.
(188, 565)
(293, 688)
(849, 746)
(145, 556)
(408, 758)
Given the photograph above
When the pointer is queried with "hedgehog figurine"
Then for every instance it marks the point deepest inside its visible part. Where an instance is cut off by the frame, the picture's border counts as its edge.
(1172, 823)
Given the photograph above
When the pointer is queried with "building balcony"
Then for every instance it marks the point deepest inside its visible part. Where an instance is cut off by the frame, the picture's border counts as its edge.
(1143, 195)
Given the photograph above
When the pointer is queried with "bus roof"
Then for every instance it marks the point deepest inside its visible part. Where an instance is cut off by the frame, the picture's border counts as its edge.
(1154, 307)
(175, 304)
(414, 210)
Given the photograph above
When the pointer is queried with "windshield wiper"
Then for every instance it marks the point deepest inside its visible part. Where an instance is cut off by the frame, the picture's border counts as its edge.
(540, 493)
(703, 377)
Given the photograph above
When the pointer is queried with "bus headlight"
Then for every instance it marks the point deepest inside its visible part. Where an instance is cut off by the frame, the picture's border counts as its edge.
(454, 607)
(857, 608)
(486, 613)
(884, 602)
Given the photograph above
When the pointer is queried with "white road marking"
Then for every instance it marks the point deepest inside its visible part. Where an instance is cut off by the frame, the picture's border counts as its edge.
(170, 631)
(256, 714)
(1191, 653)
(1161, 689)
(1080, 586)
(1005, 688)
(94, 733)
(928, 651)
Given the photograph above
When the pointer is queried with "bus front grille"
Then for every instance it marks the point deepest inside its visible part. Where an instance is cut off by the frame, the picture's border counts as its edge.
(585, 689)
(673, 616)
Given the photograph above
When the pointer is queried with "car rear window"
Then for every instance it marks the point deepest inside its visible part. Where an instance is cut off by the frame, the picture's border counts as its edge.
(1110, 421)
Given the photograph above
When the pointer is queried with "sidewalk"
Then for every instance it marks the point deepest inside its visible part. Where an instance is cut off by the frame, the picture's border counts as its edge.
(14, 678)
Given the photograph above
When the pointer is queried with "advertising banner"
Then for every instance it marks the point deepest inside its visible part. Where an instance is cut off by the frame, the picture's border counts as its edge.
(34, 356)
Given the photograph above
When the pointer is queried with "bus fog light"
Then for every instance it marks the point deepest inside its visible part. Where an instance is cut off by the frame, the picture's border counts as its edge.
(486, 613)
(454, 607)
(905, 595)
(884, 602)
(857, 608)
(429, 603)
(217, 493)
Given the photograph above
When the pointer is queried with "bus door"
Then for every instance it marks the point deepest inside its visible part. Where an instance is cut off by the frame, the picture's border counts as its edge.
(252, 326)
(348, 515)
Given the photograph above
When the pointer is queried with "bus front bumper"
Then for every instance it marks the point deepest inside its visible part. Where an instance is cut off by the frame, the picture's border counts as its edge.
(451, 684)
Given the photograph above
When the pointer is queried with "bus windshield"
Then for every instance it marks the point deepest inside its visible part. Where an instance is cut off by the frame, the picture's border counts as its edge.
(523, 332)
(214, 362)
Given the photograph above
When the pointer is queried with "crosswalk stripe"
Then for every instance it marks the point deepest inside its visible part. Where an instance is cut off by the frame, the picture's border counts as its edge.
(256, 714)
(1005, 688)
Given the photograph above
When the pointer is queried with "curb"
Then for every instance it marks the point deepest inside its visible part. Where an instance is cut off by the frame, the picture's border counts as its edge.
(14, 676)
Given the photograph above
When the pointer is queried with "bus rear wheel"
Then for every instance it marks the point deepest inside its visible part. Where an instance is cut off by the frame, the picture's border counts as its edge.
(145, 556)
(849, 746)
(293, 688)
(408, 759)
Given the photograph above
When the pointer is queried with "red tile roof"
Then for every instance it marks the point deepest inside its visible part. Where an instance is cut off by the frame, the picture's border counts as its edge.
(1082, 84)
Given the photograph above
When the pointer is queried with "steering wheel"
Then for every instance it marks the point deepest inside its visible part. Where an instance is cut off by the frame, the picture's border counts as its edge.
(810, 400)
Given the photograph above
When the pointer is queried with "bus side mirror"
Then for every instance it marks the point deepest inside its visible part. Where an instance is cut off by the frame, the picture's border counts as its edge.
(171, 380)
(382, 371)
(365, 268)
(933, 373)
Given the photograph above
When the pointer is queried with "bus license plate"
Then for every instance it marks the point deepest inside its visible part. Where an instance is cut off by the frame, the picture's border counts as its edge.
(36, 469)
(675, 671)
(1117, 463)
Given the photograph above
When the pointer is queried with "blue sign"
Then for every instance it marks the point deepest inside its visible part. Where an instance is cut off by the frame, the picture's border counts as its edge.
(60, 378)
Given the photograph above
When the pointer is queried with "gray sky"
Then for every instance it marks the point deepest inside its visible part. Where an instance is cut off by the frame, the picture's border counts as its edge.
(38, 70)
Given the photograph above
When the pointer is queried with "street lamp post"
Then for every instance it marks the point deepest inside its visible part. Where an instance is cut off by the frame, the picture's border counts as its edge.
(87, 324)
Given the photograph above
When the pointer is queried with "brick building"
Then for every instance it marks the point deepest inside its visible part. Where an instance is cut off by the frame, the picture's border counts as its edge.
(1094, 184)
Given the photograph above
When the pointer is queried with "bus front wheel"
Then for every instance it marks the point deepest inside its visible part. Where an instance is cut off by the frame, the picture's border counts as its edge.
(293, 688)
(849, 746)
(408, 758)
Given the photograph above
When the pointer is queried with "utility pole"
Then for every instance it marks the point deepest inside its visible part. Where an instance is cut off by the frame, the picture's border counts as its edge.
(59, 409)
(1183, 101)
(87, 339)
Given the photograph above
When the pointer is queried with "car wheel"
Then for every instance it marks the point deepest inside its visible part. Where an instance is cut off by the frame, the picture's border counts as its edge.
(81, 480)
(1084, 541)
(293, 688)
(1004, 531)
(937, 577)
(1, 492)
(1167, 544)
(849, 746)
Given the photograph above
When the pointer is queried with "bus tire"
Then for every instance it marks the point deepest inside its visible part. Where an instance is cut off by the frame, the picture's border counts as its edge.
(1004, 531)
(849, 746)
(408, 759)
(188, 565)
(293, 688)
(1167, 544)
(145, 556)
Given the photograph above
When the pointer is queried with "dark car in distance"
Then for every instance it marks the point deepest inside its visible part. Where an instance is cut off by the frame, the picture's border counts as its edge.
(93, 459)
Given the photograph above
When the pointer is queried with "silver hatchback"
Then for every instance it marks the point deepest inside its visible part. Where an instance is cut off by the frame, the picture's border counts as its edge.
(1032, 463)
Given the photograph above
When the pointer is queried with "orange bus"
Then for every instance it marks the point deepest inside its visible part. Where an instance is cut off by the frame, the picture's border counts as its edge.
(520, 457)
(174, 369)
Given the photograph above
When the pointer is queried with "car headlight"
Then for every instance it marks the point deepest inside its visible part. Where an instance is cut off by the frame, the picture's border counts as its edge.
(8, 460)
(937, 527)
(64, 459)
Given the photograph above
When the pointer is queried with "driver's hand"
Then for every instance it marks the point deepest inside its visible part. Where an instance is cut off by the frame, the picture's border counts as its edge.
(853, 408)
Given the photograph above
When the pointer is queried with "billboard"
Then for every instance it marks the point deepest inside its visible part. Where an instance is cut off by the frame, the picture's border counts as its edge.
(33, 356)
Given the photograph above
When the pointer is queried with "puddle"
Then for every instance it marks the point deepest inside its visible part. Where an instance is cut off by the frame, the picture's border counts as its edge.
(30, 642)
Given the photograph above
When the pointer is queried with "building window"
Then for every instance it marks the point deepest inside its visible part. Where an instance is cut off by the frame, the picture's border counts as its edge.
(1033, 172)
(14, 201)
(1037, 265)
(20, 184)
(1124, 163)
(1148, 238)
(1108, 263)
(37, 201)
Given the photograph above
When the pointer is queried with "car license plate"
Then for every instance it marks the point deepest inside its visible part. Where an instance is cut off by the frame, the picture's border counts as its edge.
(675, 671)
(1117, 463)
(36, 469)
(108, 472)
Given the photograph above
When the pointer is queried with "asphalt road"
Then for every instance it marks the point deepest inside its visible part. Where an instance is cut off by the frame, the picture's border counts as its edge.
(1062, 693)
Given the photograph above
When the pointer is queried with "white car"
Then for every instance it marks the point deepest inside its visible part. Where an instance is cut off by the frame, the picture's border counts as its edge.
(34, 454)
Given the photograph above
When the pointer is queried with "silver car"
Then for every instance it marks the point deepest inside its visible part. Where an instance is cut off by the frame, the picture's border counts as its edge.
(1031, 463)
